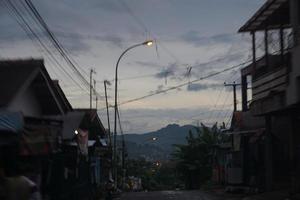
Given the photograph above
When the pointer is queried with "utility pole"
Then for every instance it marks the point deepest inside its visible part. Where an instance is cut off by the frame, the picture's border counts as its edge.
(91, 87)
(96, 94)
(233, 85)
(123, 151)
(106, 82)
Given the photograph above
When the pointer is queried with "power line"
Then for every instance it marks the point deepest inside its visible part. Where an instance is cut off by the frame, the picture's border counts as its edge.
(16, 17)
(222, 107)
(184, 84)
(220, 111)
(56, 43)
(155, 74)
(33, 35)
(146, 29)
(230, 117)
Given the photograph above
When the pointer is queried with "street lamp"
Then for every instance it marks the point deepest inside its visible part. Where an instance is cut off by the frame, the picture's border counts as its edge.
(146, 43)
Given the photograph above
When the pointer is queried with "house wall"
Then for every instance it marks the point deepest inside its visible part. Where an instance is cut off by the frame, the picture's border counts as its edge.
(293, 93)
(27, 103)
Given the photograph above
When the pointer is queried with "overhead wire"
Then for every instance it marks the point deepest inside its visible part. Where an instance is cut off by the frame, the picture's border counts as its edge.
(58, 46)
(223, 88)
(222, 106)
(214, 107)
(147, 30)
(184, 84)
(158, 92)
(26, 27)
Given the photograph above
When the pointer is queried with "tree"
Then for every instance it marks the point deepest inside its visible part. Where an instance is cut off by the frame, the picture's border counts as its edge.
(194, 160)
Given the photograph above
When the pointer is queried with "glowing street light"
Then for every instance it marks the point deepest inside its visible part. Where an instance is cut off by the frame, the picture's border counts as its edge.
(146, 43)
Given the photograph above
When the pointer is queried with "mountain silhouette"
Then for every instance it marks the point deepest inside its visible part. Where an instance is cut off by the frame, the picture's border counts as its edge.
(160, 148)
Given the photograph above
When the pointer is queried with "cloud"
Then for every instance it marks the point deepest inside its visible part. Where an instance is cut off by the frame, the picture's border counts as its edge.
(165, 73)
(169, 71)
(159, 89)
(148, 64)
(147, 120)
(113, 40)
(58, 23)
(193, 37)
(194, 87)
(217, 62)
(104, 5)
(176, 72)
(15, 34)
(74, 42)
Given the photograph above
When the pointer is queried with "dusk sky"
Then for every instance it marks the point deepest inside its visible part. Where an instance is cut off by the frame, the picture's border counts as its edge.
(200, 35)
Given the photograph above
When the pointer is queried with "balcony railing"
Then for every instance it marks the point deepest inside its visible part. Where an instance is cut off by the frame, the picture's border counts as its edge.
(274, 81)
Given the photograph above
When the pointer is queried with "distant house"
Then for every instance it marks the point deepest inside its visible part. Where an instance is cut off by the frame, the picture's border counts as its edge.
(29, 103)
(271, 90)
(86, 151)
(64, 150)
(244, 160)
(26, 87)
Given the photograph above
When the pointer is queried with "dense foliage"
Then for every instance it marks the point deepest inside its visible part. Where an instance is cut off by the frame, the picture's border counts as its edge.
(190, 167)
(194, 160)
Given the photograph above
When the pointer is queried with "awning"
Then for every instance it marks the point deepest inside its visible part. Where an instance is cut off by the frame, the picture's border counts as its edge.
(75, 144)
(11, 121)
(40, 139)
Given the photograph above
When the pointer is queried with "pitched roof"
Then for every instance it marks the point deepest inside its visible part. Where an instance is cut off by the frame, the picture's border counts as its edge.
(13, 75)
(92, 120)
(67, 107)
(272, 15)
(83, 119)
(72, 121)
(17, 75)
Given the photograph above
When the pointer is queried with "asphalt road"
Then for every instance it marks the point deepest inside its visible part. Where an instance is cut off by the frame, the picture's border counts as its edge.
(169, 195)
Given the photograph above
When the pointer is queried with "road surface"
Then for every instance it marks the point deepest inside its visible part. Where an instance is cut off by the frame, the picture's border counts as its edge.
(171, 195)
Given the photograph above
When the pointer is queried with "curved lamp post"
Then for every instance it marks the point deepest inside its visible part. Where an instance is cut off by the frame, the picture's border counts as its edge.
(146, 43)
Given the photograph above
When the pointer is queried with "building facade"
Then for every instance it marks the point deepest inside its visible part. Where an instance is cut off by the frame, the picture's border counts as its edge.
(274, 94)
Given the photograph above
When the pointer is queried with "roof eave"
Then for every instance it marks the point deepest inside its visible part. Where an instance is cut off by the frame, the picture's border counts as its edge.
(265, 11)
